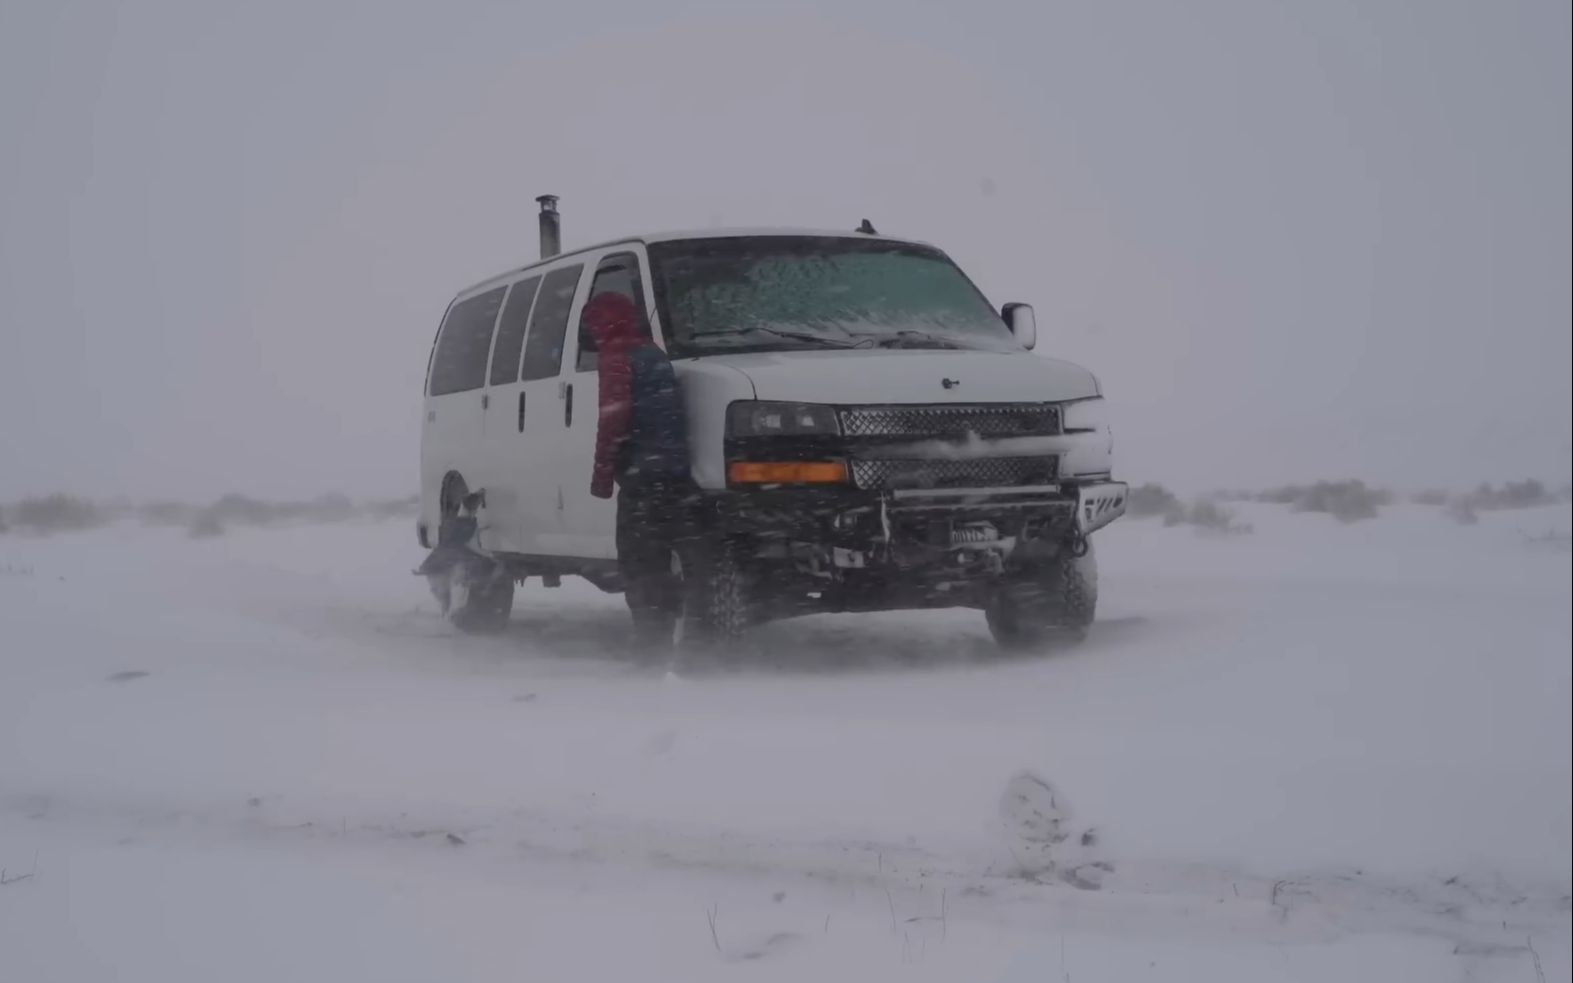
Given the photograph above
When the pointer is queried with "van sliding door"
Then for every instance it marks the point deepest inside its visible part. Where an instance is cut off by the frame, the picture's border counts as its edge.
(535, 411)
(503, 428)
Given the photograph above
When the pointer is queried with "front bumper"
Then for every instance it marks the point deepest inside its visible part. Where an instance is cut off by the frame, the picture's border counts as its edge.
(823, 549)
(1093, 505)
(1099, 504)
(850, 518)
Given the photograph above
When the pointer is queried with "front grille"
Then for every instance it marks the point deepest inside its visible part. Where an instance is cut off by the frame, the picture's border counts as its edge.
(882, 474)
(952, 420)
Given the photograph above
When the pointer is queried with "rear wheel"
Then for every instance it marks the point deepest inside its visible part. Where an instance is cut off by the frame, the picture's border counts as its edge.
(485, 605)
(453, 493)
(1056, 598)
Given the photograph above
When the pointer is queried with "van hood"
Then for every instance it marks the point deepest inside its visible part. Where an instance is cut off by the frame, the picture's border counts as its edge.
(855, 376)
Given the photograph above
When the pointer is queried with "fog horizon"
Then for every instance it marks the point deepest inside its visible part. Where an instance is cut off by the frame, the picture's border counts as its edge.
(1293, 241)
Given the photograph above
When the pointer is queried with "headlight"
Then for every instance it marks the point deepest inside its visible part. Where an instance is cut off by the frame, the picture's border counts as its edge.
(1084, 416)
(760, 419)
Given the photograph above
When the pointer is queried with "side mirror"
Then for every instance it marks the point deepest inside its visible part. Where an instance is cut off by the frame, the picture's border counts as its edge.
(1023, 324)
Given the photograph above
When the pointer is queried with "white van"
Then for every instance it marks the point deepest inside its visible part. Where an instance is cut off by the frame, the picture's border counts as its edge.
(868, 431)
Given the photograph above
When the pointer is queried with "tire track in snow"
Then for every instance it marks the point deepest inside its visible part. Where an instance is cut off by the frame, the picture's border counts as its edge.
(1482, 917)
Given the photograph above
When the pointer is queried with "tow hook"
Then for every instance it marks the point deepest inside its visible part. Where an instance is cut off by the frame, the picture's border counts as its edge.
(1079, 545)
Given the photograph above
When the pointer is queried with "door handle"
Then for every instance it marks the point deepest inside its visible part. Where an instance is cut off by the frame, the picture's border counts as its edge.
(486, 400)
(521, 411)
(568, 406)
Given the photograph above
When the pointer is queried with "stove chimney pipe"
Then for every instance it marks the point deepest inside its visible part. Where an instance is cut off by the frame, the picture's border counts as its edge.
(551, 227)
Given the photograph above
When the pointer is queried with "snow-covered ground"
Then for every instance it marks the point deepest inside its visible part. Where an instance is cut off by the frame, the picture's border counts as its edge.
(1318, 752)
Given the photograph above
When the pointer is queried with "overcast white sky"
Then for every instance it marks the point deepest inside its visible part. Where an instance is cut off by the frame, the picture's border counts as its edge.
(1294, 240)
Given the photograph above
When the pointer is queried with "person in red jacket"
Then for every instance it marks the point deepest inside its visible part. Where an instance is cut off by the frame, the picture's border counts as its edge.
(641, 449)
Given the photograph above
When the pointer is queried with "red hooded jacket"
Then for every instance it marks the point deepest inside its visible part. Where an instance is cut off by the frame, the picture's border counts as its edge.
(614, 324)
(640, 427)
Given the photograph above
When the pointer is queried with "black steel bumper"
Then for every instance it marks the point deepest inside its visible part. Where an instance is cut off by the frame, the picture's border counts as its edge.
(849, 517)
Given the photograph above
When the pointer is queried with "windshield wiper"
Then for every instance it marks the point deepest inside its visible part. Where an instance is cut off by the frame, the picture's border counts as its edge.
(810, 337)
(917, 339)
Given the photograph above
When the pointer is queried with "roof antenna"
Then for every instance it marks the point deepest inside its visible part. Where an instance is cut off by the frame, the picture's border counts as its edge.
(867, 228)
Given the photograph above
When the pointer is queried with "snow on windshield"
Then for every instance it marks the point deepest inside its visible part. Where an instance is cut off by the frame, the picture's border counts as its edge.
(796, 291)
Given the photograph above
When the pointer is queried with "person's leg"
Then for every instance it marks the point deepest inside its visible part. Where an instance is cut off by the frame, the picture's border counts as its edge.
(644, 559)
(690, 541)
(670, 524)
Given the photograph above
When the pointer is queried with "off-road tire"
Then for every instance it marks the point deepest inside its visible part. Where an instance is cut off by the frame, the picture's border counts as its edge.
(718, 606)
(453, 491)
(1056, 599)
(487, 607)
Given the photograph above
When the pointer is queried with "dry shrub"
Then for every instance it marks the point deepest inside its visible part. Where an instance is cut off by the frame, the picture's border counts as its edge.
(1152, 499)
(1346, 501)
(1527, 494)
(1208, 516)
(56, 513)
(205, 526)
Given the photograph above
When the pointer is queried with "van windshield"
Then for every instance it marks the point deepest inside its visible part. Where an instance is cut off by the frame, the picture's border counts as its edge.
(774, 293)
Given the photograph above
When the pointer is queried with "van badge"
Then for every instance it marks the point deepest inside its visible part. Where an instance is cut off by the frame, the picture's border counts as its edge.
(950, 383)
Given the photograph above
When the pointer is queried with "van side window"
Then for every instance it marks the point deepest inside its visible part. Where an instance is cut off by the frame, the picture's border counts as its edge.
(617, 274)
(510, 332)
(459, 361)
(543, 346)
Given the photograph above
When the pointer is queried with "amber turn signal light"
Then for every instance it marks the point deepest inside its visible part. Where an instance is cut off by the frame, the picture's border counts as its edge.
(787, 472)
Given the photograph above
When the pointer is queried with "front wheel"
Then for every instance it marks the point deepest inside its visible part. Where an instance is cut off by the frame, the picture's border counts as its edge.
(1055, 598)
(717, 603)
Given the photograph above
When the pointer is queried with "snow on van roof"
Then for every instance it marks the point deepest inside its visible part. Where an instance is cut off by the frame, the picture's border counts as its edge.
(677, 235)
(763, 231)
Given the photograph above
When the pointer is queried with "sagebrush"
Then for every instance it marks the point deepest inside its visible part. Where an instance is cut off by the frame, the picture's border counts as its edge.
(56, 513)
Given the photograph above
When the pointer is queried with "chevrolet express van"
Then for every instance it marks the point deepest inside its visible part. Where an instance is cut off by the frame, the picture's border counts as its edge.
(867, 431)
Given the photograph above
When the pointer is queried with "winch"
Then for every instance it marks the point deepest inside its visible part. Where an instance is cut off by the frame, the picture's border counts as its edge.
(973, 534)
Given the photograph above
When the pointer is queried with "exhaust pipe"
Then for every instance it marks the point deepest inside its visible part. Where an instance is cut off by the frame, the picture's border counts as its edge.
(551, 227)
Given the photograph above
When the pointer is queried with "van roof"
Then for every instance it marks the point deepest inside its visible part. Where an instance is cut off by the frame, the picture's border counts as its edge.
(672, 236)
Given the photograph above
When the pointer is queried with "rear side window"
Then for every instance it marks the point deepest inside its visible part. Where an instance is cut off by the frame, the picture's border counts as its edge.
(510, 332)
(459, 362)
(543, 346)
(617, 274)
